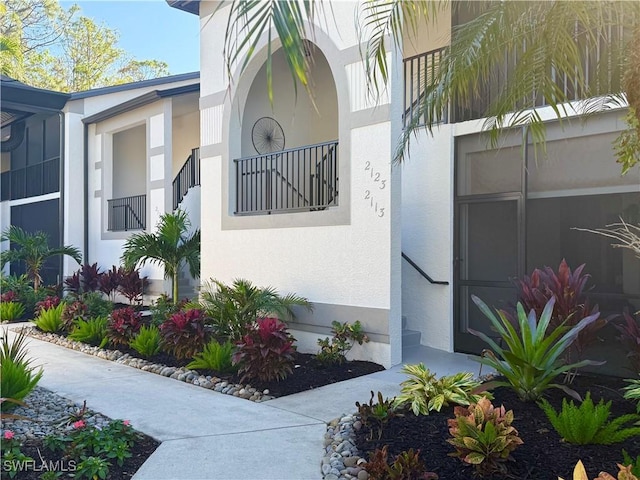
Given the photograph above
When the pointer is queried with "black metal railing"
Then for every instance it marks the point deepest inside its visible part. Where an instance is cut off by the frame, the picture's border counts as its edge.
(422, 272)
(601, 74)
(419, 72)
(297, 179)
(128, 213)
(188, 177)
(31, 181)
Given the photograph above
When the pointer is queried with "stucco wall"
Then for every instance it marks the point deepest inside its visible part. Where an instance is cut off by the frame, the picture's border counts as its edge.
(341, 257)
(129, 162)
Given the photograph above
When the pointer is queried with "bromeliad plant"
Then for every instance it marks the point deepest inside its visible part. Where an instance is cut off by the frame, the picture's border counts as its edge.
(215, 356)
(483, 436)
(533, 357)
(589, 424)
(423, 392)
(92, 331)
(265, 351)
(17, 375)
(50, 319)
(147, 342)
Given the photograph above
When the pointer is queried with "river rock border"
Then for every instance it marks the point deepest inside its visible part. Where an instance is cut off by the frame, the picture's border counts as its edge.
(341, 459)
(182, 374)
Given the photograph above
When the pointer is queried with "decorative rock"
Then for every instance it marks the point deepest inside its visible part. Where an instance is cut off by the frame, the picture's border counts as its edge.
(326, 469)
(363, 475)
(351, 461)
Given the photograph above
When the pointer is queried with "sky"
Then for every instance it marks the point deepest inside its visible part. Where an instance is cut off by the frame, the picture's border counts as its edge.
(149, 30)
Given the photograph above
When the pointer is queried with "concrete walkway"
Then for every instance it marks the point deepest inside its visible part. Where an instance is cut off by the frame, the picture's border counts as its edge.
(207, 435)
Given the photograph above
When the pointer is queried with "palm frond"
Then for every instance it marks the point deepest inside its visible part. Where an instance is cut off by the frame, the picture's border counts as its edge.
(249, 21)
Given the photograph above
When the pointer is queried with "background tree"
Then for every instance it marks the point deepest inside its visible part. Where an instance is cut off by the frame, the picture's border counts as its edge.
(32, 249)
(62, 50)
(170, 247)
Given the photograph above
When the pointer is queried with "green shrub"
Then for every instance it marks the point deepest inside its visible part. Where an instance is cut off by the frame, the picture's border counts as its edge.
(532, 358)
(147, 341)
(10, 311)
(17, 376)
(50, 320)
(633, 463)
(215, 356)
(92, 331)
(234, 308)
(424, 392)
(96, 305)
(345, 335)
(483, 436)
(163, 308)
(589, 424)
(632, 392)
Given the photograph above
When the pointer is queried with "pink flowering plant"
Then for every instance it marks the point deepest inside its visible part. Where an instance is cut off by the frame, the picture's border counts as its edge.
(265, 351)
(11, 454)
(111, 443)
(184, 333)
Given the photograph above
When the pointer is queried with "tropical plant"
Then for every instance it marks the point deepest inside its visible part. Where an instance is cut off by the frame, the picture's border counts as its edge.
(532, 357)
(554, 49)
(630, 338)
(375, 415)
(265, 351)
(170, 247)
(72, 312)
(345, 335)
(92, 331)
(18, 289)
(571, 305)
(50, 320)
(85, 279)
(124, 323)
(10, 311)
(215, 356)
(163, 307)
(132, 286)
(423, 392)
(109, 281)
(184, 333)
(32, 249)
(632, 391)
(50, 301)
(233, 308)
(633, 463)
(147, 341)
(9, 296)
(17, 375)
(96, 305)
(589, 424)
(406, 466)
(624, 473)
(483, 436)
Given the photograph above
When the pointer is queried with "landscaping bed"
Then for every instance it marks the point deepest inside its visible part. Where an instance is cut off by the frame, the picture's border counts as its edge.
(543, 454)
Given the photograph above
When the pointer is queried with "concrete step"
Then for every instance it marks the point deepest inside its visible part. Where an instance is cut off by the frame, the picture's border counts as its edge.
(410, 338)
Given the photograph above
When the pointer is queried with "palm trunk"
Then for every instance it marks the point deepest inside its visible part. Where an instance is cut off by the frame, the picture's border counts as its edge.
(174, 285)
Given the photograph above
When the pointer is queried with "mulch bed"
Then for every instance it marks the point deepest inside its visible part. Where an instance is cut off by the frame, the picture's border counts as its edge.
(141, 450)
(307, 373)
(543, 456)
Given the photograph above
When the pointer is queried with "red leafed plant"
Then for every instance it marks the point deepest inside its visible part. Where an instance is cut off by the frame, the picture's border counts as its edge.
(265, 351)
(184, 334)
(9, 296)
(630, 338)
(132, 286)
(46, 304)
(571, 305)
(109, 281)
(123, 324)
(72, 312)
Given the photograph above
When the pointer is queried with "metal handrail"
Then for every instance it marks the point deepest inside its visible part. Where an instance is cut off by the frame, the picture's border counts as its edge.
(187, 178)
(288, 150)
(422, 272)
(127, 203)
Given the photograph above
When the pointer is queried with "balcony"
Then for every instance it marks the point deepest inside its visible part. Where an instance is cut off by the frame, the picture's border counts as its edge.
(601, 71)
(294, 180)
(31, 181)
(128, 213)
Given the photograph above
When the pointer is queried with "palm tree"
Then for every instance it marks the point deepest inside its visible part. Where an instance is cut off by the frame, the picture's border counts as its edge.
(555, 35)
(170, 246)
(32, 249)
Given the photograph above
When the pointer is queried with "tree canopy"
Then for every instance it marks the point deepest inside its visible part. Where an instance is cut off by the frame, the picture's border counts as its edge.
(47, 46)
